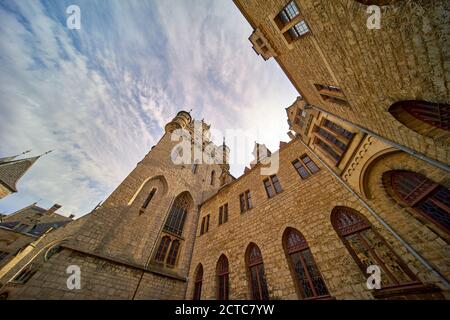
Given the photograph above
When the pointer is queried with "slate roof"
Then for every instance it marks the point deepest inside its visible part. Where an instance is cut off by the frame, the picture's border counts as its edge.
(12, 171)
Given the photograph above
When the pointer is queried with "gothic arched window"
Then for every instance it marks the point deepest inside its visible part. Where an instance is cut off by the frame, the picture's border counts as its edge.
(427, 118)
(162, 249)
(308, 278)
(368, 248)
(255, 267)
(426, 197)
(177, 214)
(173, 253)
(198, 282)
(222, 278)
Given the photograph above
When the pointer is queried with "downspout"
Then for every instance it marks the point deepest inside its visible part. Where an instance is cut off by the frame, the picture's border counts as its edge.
(380, 220)
(410, 151)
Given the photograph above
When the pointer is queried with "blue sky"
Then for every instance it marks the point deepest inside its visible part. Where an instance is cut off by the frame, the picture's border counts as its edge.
(100, 96)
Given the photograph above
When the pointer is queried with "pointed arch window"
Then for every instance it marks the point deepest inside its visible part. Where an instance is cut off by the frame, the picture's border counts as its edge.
(427, 118)
(222, 278)
(367, 247)
(255, 266)
(198, 282)
(309, 281)
(177, 214)
(428, 198)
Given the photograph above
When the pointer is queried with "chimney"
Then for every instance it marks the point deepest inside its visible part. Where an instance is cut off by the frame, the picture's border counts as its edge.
(53, 209)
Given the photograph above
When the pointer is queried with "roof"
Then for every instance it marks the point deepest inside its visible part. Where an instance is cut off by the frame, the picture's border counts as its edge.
(12, 171)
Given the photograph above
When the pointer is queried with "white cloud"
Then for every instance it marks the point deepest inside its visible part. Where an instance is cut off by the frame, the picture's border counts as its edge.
(101, 97)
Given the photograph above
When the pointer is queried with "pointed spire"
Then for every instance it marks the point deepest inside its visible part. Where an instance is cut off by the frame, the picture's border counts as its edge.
(12, 171)
(7, 159)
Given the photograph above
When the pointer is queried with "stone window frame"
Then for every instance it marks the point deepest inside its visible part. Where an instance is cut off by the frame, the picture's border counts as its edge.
(223, 278)
(424, 192)
(272, 185)
(426, 118)
(223, 214)
(198, 281)
(163, 254)
(291, 22)
(204, 228)
(254, 262)
(296, 248)
(245, 201)
(303, 164)
(358, 224)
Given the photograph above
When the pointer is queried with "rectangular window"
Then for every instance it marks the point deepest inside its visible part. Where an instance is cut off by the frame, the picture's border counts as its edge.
(289, 12)
(223, 214)
(276, 183)
(272, 186)
(248, 195)
(337, 129)
(245, 201)
(269, 189)
(194, 168)
(331, 138)
(242, 202)
(205, 225)
(305, 166)
(331, 94)
(298, 30)
(327, 149)
(21, 228)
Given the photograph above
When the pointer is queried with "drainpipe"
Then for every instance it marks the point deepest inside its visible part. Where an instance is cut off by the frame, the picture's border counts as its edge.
(381, 221)
(410, 151)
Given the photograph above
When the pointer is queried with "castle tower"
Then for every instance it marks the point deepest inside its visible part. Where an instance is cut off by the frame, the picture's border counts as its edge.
(142, 236)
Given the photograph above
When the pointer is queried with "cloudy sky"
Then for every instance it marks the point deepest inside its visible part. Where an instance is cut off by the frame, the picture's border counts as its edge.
(100, 96)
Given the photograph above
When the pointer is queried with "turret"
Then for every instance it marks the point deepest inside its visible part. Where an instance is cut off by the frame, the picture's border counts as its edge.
(181, 121)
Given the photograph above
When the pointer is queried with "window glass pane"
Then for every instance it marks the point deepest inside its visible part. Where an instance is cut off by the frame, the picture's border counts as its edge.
(303, 283)
(276, 184)
(328, 149)
(437, 213)
(386, 255)
(242, 202)
(249, 200)
(268, 188)
(316, 278)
